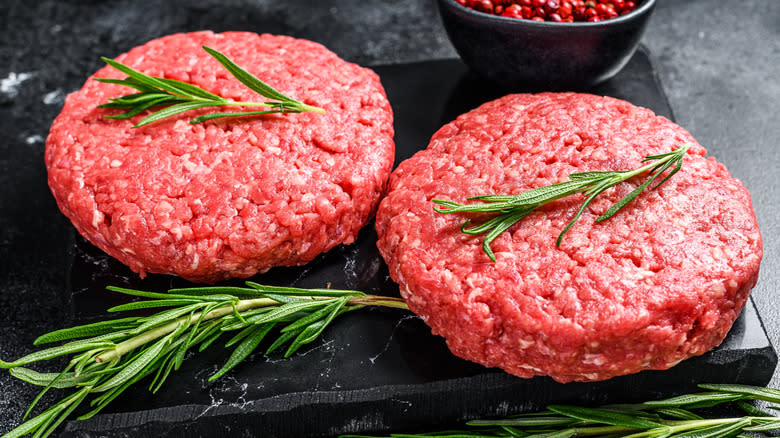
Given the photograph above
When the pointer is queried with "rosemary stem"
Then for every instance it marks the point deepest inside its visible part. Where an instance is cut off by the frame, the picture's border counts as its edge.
(158, 332)
(648, 166)
(234, 103)
(375, 300)
(643, 434)
(126, 346)
(312, 109)
(681, 426)
(302, 107)
(601, 430)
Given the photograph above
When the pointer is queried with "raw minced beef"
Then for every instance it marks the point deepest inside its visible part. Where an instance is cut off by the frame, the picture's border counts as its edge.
(230, 197)
(661, 281)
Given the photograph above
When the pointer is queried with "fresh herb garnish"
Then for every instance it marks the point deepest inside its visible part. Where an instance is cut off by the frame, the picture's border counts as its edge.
(673, 417)
(110, 356)
(178, 97)
(512, 208)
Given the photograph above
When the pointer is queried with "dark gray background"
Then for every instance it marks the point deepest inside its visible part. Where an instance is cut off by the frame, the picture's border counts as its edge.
(717, 62)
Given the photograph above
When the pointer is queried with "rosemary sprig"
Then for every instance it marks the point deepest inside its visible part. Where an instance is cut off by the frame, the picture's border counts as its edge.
(110, 356)
(512, 208)
(178, 97)
(673, 417)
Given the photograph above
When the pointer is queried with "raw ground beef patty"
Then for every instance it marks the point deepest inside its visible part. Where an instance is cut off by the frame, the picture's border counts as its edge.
(661, 281)
(230, 197)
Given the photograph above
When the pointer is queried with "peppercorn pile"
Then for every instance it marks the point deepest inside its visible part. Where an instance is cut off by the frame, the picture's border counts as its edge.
(553, 10)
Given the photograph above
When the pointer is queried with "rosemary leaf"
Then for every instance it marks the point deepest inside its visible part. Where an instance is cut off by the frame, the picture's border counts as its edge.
(752, 410)
(566, 433)
(284, 299)
(209, 338)
(45, 389)
(168, 361)
(604, 417)
(135, 305)
(51, 353)
(212, 116)
(216, 290)
(43, 419)
(336, 305)
(679, 413)
(86, 330)
(153, 295)
(281, 340)
(193, 332)
(128, 82)
(527, 421)
(165, 316)
(306, 335)
(764, 426)
(66, 380)
(246, 331)
(191, 90)
(172, 111)
(766, 394)
(244, 349)
(699, 400)
(76, 401)
(720, 431)
(288, 309)
(205, 332)
(294, 291)
(101, 402)
(247, 78)
(505, 222)
(634, 193)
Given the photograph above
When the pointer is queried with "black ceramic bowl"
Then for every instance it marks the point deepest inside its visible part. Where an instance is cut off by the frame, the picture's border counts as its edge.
(531, 55)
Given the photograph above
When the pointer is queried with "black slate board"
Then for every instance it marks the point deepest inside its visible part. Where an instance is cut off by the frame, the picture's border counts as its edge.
(381, 370)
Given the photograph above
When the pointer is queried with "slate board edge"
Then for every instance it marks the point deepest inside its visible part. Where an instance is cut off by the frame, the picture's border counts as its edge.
(657, 79)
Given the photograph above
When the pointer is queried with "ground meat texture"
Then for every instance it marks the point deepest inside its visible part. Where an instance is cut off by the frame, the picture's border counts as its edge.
(661, 281)
(230, 197)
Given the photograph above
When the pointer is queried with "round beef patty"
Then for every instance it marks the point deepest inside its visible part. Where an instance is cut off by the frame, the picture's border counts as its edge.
(229, 197)
(661, 281)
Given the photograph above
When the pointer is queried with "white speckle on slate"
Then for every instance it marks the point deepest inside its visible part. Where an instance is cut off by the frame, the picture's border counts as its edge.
(214, 403)
(407, 404)
(54, 97)
(370, 421)
(349, 267)
(10, 85)
(32, 139)
(241, 401)
(373, 358)
(301, 276)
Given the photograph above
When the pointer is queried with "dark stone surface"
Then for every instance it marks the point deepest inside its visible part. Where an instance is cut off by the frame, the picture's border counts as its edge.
(717, 63)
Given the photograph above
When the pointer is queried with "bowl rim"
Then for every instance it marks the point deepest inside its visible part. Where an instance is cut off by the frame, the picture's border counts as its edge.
(642, 9)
